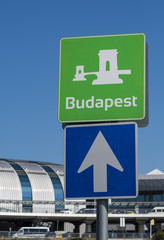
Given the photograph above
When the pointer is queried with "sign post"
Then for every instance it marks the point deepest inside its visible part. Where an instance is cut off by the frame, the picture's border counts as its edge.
(102, 219)
(151, 226)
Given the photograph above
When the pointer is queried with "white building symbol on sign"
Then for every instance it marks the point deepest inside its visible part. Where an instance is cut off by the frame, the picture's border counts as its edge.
(108, 69)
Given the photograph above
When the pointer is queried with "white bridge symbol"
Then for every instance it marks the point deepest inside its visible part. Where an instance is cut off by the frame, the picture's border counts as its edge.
(108, 69)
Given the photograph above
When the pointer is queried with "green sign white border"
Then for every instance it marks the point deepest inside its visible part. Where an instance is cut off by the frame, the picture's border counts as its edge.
(106, 120)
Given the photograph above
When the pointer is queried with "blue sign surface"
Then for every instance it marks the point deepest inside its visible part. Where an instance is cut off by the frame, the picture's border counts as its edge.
(101, 161)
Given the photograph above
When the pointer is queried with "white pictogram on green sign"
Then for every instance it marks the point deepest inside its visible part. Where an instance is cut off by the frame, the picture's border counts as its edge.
(108, 69)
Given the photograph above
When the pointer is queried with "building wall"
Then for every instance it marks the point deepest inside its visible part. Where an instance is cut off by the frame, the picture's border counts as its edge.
(29, 181)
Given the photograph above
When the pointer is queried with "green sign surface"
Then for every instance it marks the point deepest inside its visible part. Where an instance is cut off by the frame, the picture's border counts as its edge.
(102, 78)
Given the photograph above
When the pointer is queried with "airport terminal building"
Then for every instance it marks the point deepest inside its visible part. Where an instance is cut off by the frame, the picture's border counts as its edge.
(30, 187)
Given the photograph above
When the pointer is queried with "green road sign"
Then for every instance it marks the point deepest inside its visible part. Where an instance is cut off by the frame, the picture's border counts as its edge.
(102, 78)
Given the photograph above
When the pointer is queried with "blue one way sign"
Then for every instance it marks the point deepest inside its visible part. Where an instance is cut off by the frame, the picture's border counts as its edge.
(101, 161)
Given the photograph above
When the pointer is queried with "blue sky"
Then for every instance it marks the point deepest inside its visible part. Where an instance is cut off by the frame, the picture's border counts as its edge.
(30, 31)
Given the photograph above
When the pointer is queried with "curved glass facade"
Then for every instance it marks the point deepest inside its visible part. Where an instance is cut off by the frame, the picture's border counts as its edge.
(58, 190)
(29, 187)
(26, 186)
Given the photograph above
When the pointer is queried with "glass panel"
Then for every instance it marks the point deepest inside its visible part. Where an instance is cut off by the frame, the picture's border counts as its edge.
(27, 208)
(147, 197)
(25, 231)
(47, 169)
(58, 190)
(43, 230)
(16, 166)
(157, 197)
(26, 186)
(34, 230)
(140, 198)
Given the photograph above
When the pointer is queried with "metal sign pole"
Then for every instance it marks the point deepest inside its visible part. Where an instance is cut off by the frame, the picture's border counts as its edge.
(150, 229)
(102, 219)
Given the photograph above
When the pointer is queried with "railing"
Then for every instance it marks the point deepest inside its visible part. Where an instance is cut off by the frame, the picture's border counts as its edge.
(9, 234)
(129, 235)
(88, 207)
(51, 209)
(54, 206)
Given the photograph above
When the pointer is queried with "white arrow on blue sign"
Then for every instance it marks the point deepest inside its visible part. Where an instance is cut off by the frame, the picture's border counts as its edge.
(100, 150)
(101, 161)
